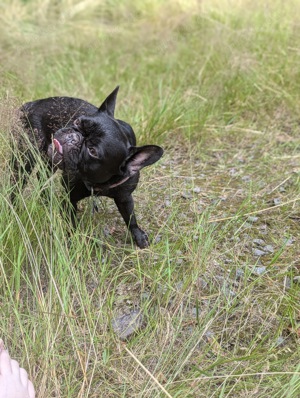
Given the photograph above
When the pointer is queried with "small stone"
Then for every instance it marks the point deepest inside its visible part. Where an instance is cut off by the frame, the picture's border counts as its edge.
(261, 184)
(163, 289)
(258, 242)
(145, 296)
(195, 311)
(199, 208)
(239, 273)
(296, 279)
(269, 248)
(246, 178)
(282, 189)
(202, 283)
(247, 225)
(287, 283)
(126, 325)
(235, 239)
(197, 189)
(106, 231)
(233, 172)
(157, 239)
(209, 334)
(229, 292)
(290, 241)
(259, 270)
(186, 195)
(258, 252)
(263, 229)
(280, 341)
(276, 201)
(168, 203)
(252, 219)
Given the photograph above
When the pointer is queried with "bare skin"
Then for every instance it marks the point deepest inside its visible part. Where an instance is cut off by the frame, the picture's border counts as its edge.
(14, 381)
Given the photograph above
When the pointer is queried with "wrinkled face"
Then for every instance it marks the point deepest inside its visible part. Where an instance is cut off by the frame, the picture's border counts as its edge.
(95, 147)
(65, 149)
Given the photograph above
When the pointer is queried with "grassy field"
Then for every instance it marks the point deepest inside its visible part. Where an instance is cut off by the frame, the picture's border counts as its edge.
(216, 83)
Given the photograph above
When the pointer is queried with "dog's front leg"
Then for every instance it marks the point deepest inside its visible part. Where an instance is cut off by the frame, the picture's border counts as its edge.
(125, 206)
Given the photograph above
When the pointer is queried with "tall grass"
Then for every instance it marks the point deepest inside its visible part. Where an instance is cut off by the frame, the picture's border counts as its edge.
(216, 84)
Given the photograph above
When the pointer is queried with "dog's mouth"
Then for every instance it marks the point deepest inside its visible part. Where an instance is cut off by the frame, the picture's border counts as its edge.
(55, 153)
(58, 146)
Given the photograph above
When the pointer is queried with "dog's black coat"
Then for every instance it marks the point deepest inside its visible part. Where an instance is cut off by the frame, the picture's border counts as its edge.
(96, 152)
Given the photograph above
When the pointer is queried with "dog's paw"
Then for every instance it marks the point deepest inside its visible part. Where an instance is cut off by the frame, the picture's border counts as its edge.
(141, 238)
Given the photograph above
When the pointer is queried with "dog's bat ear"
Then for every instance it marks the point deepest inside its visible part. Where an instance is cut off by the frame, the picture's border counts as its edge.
(109, 103)
(141, 157)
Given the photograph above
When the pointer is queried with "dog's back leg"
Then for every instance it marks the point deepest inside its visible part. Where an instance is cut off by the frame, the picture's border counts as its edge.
(43, 175)
(22, 165)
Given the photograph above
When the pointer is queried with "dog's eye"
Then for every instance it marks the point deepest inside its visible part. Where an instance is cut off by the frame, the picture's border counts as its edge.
(92, 152)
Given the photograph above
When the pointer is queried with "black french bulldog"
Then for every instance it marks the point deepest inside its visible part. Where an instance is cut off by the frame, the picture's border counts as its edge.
(96, 152)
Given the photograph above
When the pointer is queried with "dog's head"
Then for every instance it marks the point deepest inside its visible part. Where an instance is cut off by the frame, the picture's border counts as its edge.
(101, 148)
